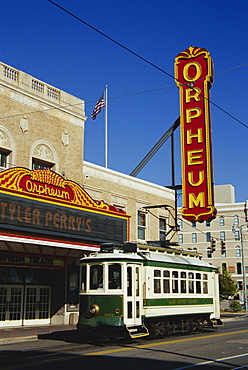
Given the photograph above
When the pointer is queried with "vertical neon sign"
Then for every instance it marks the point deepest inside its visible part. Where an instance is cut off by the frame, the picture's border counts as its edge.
(193, 75)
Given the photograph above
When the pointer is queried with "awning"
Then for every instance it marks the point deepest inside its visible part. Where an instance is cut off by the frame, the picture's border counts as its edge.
(48, 242)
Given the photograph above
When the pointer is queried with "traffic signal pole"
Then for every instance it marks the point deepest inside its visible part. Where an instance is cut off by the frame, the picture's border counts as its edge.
(244, 268)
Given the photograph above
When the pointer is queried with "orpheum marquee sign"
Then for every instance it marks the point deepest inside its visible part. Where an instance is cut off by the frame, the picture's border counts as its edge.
(193, 75)
(43, 202)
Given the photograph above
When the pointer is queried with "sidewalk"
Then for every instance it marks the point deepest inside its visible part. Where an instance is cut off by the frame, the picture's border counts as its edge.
(230, 316)
(26, 333)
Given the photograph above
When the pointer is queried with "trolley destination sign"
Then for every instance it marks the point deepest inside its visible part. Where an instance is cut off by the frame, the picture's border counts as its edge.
(193, 75)
(41, 201)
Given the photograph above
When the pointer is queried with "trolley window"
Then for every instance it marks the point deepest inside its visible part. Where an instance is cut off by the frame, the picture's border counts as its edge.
(183, 282)
(83, 277)
(174, 281)
(114, 276)
(205, 284)
(137, 281)
(198, 283)
(96, 277)
(166, 281)
(129, 284)
(157, 281)
(191, 282)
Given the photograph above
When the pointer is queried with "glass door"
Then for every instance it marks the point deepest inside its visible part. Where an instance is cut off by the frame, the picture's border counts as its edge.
(11, 303)
(37, 305)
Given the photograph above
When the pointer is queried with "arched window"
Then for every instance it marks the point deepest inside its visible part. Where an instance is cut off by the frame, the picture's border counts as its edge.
(43, 155)
(6, 149)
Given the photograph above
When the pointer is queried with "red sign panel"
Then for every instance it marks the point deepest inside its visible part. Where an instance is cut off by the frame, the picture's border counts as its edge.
(193, 74)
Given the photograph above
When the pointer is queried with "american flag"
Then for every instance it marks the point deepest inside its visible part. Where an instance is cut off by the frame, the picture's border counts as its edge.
(99, 105)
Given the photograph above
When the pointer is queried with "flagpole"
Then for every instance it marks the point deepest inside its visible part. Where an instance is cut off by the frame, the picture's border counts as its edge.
(106, 126)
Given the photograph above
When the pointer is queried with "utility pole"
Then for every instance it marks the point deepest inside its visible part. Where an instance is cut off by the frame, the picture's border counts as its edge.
(243, 263)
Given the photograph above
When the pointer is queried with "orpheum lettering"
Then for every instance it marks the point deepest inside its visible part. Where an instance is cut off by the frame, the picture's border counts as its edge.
(193, 74)
(45, 189)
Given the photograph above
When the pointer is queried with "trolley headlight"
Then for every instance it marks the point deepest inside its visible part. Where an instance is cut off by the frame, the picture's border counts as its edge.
(94, 309)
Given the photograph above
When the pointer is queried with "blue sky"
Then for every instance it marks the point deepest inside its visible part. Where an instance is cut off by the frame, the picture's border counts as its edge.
(42, 40)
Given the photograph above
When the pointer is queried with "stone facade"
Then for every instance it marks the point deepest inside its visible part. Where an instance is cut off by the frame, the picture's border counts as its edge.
(134, 196)
(40, 123)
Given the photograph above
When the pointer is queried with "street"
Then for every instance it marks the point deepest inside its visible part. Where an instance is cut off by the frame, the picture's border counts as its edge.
(222, 348)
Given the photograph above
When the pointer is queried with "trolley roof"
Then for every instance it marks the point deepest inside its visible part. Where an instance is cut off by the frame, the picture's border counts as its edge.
(148, 255)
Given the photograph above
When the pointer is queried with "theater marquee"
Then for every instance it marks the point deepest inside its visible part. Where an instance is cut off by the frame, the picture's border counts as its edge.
(193, 75)
(44, 203)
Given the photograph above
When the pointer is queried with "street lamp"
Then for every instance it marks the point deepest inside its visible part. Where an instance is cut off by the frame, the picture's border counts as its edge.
(243, 263)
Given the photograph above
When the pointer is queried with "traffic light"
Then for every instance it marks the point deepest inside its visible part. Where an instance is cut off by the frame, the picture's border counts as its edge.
(213, 245)
(222, 247)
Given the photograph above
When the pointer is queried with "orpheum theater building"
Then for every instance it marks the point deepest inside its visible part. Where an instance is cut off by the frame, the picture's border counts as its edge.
(44, 221)
(54, 206)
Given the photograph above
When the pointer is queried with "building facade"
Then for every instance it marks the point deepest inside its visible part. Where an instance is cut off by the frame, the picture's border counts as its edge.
(226, 235)
(55, 207)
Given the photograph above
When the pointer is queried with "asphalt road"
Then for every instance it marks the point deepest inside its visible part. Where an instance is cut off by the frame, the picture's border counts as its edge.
(223, 348)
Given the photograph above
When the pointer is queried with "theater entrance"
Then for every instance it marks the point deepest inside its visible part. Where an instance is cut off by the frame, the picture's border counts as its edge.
(26, 295)
(24, 305)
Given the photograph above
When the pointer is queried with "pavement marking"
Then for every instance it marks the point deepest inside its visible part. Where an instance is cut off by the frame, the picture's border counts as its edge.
(160, 343)
(106, 352)
(214, 361)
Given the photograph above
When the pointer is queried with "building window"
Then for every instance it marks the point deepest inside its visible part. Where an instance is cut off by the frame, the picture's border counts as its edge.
(43, 155)
(239, 269)
(162, 228)
(236, 235)
(222, 236)
(209, 253)
(180, 238)
(38, 164)
(194, 238)
(236, 220)
(237, 251)
(180, 224)
(208, 236)
(141, 225)
(4, 156)
(207, 224)
(221, 221)
(223, 267)
(193, 224)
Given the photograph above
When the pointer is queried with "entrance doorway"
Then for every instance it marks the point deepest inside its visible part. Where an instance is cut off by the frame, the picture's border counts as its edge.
(20, 305)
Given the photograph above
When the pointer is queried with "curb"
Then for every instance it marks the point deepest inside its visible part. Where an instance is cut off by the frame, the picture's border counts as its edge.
(18, 339)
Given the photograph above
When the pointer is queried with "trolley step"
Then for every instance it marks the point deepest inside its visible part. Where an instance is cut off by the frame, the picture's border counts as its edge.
(137, 331)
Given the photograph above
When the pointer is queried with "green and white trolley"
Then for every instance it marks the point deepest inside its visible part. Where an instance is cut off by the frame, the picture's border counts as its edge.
(146, 290)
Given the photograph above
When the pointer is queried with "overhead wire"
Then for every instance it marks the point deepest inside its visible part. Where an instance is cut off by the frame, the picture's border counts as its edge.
(142, 58)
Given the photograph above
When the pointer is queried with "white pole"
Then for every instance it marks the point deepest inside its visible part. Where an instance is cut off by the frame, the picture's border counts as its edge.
(106, 126)
(244, 267)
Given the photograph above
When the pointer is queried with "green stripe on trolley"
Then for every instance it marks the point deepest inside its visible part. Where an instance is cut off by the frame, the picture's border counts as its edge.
(177, 301)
